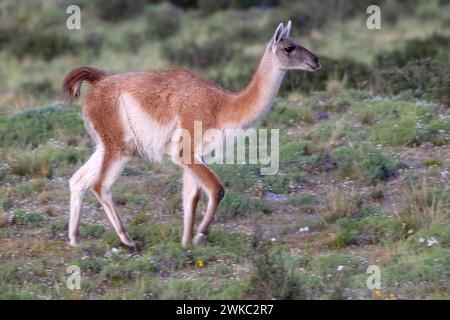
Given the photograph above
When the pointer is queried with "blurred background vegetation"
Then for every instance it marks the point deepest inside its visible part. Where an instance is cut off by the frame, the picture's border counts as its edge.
(223, 41)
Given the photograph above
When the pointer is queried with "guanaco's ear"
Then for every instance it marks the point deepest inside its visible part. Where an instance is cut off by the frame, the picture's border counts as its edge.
(286, 31)
(277, 34)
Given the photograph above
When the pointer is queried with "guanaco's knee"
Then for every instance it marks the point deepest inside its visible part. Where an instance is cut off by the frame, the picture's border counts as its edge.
(219, 193)
(76, 184)
(97, 188)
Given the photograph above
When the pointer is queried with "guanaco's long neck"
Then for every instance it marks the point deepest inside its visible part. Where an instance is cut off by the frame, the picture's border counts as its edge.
(251, 104)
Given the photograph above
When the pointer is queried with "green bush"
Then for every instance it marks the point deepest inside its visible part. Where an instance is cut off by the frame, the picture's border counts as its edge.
(429, 269)
(415, 49)
(116, 10)
(92, 231)
(21, 42)
(195, 55)
(375, 166)
(364, 162)
(295, 151)
(27, 219)
(234, 204)
(284, 113)
(369, 227)
(42, 87)
(307, 15)
(424, 77)
(357, 76)
(91, 265)
(169, 257)
(163, 21)
(274, 275)
(207, 6)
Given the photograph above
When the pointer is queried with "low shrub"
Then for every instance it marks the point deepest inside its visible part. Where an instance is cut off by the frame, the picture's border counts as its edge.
(274, 274)
(415, 49)
(163, 21)
(424, 77)
(21, 42)
(340, 204)
(194, 55)
(364, 162)
(116, 10)
(369, 227)
(234, 204)
(27, 219)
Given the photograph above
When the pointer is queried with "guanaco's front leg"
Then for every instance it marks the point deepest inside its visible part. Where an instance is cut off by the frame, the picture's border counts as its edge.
(208, 181)
(191, 195)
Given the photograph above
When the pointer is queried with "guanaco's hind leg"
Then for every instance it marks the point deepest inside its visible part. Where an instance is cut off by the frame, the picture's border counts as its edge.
(79, 183)
(209, 182)
(191, 195)
(109, 172)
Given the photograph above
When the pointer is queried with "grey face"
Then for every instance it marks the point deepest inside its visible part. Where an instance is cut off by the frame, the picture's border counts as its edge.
(291, 55)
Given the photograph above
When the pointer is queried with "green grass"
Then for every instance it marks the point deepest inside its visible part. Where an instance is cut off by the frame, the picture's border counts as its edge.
(36, 126)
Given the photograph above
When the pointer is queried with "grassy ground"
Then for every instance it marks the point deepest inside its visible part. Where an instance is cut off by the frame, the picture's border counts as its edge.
(364, 177)
(363, 202)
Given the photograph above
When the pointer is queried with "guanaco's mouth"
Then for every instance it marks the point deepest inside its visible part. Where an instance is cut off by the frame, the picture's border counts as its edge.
(312, 67)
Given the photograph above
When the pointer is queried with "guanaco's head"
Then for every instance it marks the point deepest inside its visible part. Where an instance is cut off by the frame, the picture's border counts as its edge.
(288, 54)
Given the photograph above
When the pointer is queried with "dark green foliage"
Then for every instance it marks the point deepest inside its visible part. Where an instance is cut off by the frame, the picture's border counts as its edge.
(57, 227)
(309, 14)
(274, 275)
(424, 77)
(377, 167)
(364, 162)
(21, 42)
(91, 264)
(92, 231)
(27, 219)
(116, 10)
(208, 6)
(163, 21)
(415, 49)
(295, 151)
(357, 75)
(93, 42)
(193, 55)
(42, 87)
(368, 226)
(169, 257)
(234, 204)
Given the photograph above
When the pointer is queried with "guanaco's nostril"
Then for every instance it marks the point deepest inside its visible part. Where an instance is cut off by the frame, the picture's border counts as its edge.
(316, 59)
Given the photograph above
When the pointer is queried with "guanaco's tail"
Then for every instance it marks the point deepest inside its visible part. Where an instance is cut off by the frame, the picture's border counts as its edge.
(70, 90)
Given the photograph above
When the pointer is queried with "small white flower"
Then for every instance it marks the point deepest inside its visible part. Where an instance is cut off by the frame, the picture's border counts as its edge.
(340, 268)
(304, 229)
(273, 239)
(421, 240)
(115, 250)
(432, 241)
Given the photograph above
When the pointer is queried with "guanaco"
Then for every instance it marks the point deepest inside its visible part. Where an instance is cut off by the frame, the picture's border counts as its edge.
(141, 110)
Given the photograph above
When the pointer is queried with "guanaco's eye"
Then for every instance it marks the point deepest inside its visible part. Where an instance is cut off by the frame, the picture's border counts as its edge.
(289, 49)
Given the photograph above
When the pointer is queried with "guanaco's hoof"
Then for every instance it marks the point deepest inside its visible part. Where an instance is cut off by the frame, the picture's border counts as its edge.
(74, 241)
(199, 239)
(126, 240)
